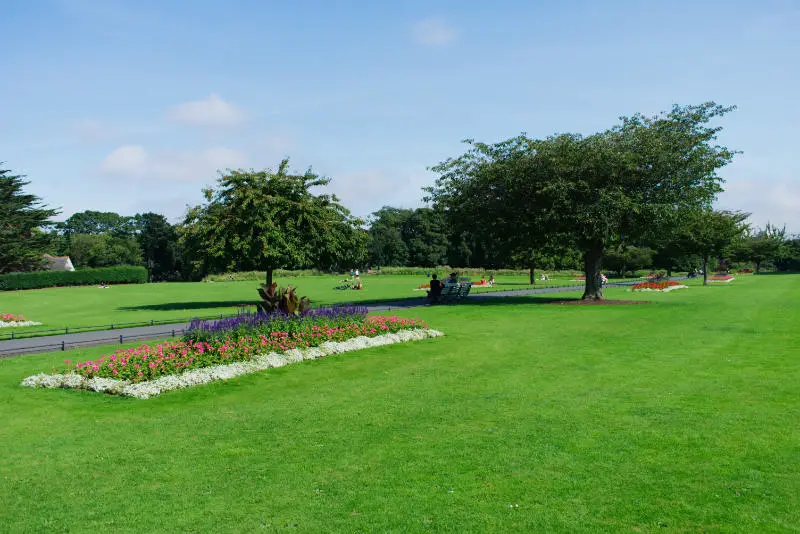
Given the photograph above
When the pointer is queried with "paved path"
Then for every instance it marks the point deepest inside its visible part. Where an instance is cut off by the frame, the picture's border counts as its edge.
(31, 345)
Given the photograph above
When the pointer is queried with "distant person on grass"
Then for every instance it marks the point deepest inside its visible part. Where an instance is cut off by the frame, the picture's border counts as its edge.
(436, 288)
(358, 284)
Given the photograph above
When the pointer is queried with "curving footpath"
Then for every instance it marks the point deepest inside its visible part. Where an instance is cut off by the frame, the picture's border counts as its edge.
(34, 345)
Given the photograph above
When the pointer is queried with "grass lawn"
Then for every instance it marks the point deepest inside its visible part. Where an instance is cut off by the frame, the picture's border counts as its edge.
(91, 305)
(676, 416)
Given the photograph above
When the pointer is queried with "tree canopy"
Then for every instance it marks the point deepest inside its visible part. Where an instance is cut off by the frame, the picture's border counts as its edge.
(762, 245)
(623, 185)
(99, 223)
(708, 233)
(408, 237)
(268, 220)
(22, 244)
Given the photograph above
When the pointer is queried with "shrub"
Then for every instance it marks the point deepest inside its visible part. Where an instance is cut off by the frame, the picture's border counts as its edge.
(282, 299)
(124, 274)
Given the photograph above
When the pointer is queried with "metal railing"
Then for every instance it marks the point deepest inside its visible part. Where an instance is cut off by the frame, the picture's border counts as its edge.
(22, 334)
(173, 332)
(65, 345)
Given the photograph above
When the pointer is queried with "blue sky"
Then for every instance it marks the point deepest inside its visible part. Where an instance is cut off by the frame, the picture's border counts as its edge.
(132, 106)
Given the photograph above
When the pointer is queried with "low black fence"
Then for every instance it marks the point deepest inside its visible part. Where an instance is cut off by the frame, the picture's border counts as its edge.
(122, 338)
(66, 345)
(22, 334)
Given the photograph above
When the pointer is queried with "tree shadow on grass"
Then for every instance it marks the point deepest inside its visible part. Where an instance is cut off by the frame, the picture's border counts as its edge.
(195, 308)
(189, 305)
(543, 299)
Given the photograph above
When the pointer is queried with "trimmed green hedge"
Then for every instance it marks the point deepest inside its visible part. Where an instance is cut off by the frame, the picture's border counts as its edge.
(124, 274)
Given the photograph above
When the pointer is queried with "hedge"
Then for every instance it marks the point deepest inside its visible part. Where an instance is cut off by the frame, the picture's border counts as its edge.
(124, 274)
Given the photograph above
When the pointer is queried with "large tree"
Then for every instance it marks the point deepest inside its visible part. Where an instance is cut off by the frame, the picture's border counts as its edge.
(387, 245)
(789, 257)
(99, 223)
(493, 194)
(626, 184)
(425, 235)
(408, 237)
(22, 244)
(709, 234)
(158, 241)
(762, 245)
(624, 258)
(268, 220)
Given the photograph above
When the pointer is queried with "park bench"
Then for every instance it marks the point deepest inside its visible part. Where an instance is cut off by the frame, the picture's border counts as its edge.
(454, 292)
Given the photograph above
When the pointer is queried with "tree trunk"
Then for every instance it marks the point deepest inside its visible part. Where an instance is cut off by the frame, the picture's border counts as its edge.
(269, 277)
(669, 271)
(592, 261)
(758, 266)
(705, 270)
(532, 274)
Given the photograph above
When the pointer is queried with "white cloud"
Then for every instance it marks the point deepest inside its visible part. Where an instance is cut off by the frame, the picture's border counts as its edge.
(773, 201)
(129, 159)
(767, 185)
(366, 191)
(212, 111)
(134, 162)
(433, 31)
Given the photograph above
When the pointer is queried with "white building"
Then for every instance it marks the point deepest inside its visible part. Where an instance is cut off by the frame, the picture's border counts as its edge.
(58, 263)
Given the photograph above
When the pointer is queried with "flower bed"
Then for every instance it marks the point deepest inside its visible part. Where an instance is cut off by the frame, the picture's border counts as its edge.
(204, 375)
(249, 343)
(8, 320)
(745, 271)
(661, 286)
(724, 278)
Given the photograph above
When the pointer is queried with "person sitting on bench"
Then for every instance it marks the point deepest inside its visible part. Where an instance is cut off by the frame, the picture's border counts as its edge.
(436, 288)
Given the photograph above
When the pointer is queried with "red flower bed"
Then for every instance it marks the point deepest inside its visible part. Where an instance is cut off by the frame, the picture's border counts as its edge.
(745, 271)
(657, 286)
(720, 277)
(170, 358)
(10, 317)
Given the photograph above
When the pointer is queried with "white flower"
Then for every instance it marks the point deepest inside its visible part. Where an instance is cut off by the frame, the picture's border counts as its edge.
(12, 324)
(204, 375)
(666, 289)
